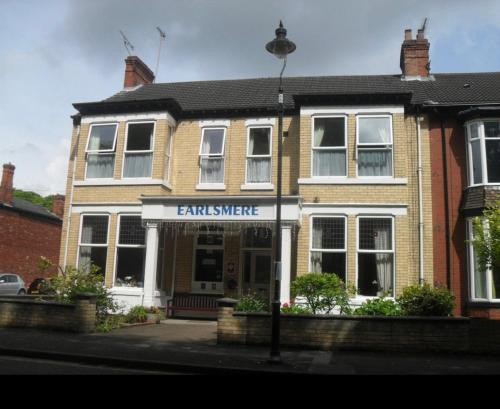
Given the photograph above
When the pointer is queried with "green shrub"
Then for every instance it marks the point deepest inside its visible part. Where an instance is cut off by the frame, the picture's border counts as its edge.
(251, 303)
(379, 306)
(295, 309)
(323, 292)
(137, 314)
(426, 301)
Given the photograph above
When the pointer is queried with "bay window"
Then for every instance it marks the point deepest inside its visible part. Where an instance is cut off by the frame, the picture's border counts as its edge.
(329, 148)
(93, 244)
(168, 155)
(374, 145)
(483, 151)
(138, 159)
(212, 155)
(259, 155)
(130, 252)
(100, 151)
(375, 256)
(328, 246)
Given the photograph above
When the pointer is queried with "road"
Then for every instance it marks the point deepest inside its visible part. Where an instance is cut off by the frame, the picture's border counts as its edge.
(25, 366)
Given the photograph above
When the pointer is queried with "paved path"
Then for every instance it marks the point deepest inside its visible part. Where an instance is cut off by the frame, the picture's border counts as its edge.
(190, 347)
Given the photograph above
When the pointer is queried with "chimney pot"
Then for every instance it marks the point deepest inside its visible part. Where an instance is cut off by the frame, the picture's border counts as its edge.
(58, 205)
(7, 184)
(136, 72)
(420, 34)
(408, 34)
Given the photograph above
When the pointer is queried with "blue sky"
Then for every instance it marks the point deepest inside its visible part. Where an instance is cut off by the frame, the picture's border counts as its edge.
(57, 52)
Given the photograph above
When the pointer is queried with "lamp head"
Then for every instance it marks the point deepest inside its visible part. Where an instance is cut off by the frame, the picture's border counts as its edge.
(281, 46)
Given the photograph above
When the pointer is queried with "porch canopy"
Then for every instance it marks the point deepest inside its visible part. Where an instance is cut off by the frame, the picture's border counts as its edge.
(186, 214)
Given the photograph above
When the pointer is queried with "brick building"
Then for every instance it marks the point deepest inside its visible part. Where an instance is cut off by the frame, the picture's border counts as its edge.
(27, 231)
(173, 185)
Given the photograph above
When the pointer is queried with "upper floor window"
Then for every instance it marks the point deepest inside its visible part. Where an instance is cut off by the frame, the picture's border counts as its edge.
(139, 150)
(329, 146)
(484, 151)
(212, 155)
(101, 151)
(259, 155)
(374, 145)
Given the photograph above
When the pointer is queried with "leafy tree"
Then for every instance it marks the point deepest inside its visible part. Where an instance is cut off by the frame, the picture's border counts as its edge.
(34, 198)
(486, 240)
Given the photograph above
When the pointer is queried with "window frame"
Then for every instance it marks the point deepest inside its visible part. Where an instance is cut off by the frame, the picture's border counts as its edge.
(222, 155)
(330, 148)
(374, 146)
(118, 245)
(102, 152)
(167, 171)
(151, 150)
(482, 144)
(344, 250)
(393, 252)
(80, 244)
(270, 155)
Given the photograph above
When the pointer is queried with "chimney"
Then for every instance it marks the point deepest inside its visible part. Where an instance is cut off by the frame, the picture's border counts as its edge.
(414, 61)
(7, 186)
(137, 72)
(58, 205)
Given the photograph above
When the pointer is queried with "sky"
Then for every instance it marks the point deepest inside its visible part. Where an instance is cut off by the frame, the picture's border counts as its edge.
(54, 53)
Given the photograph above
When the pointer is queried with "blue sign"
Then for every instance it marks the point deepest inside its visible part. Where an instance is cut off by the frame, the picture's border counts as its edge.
(217, 210)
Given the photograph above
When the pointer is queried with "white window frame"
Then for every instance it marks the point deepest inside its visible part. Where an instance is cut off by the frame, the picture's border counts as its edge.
(80, 244)
(103, 152)
(151, 150)
(219, 284)
(393, 252)
(118, 245)
(330, 148)
(205, 155)
(167, 175)
(375, 146)
(344, 250)
(482, 143)
(472, 270)
(270, 155)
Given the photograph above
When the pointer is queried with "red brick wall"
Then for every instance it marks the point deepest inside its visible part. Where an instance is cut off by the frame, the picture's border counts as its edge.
(457, 181)
(23, 240)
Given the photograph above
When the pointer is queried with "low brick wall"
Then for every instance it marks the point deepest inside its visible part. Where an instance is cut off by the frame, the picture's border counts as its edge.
(23, 312)
(360, 333)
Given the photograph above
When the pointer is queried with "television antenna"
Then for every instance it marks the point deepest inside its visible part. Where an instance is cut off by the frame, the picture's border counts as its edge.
(128, 45)
(424, 26)
(163, 36)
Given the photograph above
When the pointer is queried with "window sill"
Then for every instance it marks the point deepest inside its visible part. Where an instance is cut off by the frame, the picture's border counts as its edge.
(353, 181)
(257, 186)
(120, 182)
(210, 186)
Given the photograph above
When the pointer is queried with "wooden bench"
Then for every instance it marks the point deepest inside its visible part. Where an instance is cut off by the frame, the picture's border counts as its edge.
(193, 303)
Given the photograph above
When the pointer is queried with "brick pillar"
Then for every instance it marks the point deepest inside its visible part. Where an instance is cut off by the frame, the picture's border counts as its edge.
(85, 313)
(229, 330)
(7, 184)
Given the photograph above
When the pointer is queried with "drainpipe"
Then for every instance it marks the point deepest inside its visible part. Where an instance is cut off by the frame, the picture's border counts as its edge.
(420, 202)
(446, 203)
(70, 207)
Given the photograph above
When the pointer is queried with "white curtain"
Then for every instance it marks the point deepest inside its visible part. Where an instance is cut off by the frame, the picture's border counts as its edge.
(259, 170)
(137, 165)
(100, 166)
(329, 163)
(319, 133)
(384, 261)
(374, 131)
(212, 170)
(85, 258)
(374, 162)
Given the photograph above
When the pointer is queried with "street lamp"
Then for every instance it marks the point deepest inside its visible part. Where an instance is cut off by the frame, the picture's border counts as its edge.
(280, 47)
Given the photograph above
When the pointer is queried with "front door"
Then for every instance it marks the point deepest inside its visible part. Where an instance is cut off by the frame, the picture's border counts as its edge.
(257, 273)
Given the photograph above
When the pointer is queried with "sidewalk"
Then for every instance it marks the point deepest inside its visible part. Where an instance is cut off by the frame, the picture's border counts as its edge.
(190, 347)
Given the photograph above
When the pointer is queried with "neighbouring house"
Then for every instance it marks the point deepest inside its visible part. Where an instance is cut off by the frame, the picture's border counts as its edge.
(172, 185)
(27, 231)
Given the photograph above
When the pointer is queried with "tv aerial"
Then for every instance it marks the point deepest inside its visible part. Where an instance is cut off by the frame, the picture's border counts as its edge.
(163, 36)
(128, 45)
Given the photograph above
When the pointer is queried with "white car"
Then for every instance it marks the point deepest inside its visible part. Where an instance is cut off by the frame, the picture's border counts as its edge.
(11, 284)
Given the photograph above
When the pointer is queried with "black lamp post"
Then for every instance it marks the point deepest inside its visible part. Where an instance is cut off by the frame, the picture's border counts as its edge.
(280, 47)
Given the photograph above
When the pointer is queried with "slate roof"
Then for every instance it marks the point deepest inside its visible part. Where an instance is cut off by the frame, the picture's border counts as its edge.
(24, 206)
(464, 89)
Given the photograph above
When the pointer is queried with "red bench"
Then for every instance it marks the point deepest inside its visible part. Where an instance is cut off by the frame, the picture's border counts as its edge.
(194, 303)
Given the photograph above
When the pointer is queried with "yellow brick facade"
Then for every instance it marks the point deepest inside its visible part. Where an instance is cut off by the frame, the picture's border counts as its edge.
(296, 165)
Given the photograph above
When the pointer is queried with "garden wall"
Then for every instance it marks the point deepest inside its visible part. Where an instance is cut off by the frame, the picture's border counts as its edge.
(360, 333)
(22, 312)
